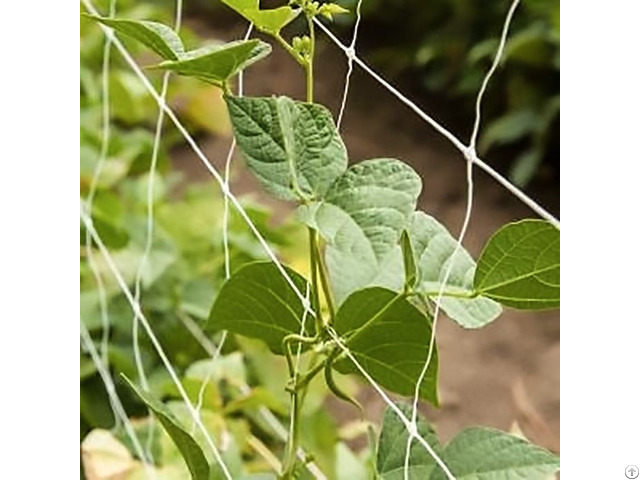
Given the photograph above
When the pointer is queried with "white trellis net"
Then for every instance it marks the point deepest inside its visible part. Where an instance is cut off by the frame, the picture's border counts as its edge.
(468, 151)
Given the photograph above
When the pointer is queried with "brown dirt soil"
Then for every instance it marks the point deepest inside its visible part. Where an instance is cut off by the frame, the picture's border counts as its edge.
(504, 373)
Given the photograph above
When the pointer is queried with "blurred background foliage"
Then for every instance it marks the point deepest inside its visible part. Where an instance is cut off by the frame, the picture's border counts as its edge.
(437, 49)
(443, 48)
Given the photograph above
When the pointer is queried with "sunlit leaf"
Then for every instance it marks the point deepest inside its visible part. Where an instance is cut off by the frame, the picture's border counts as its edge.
(157, 36)
(361, 219)
(217, 63)
(189, 448)
(292, 147)
(393, 444)
(267, 20)
(434, 248)
(487, 454)
(520, 266)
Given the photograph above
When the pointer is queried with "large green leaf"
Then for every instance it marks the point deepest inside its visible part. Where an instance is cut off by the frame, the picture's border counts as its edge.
(258, 302)
(520, 266)
(293, 148)
(434, 249)
(217, 63)
(393, 443)
(361, 219)
(486, 454)
(158, 37)
(390, 338)
(189, 448)
(267, 20)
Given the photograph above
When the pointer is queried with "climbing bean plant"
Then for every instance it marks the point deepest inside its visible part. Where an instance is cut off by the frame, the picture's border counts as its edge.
(377, 265)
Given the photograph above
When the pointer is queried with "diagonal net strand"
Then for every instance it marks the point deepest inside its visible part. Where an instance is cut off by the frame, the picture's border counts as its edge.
(523, 197)
(264, 412)
(154, 340)
(194, 146)
(469, 154)
(407, 423)
(119, 411)
(350, 52)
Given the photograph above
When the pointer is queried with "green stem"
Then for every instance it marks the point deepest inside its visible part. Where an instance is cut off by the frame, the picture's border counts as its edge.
(313, 241)
(309, 63)
(296, 56)
(306, 379)
(289, 466)
(449, 294)
(324, 280)
(297, 398)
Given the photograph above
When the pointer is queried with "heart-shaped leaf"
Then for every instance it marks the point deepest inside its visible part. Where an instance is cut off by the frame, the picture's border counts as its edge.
(267, 20)
(361, 219)
(189, 448)
(258, 302)
(520, 266)
(216, 64)
(433, 247)
(292, 147)
(390, 338)
(156, 36)
(487, 454)
(393, 444)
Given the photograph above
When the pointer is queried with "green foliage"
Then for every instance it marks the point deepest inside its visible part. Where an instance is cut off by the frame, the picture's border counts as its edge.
(434, 249)
(266, 20)
(216, 64)
(156, 36)
(392, 446)
(189, 448)
(361, 219)
(258, 302)
(520, 266)
(475, 453)
(293, 148)
(486, 454)
(382, 267)
(390, 339)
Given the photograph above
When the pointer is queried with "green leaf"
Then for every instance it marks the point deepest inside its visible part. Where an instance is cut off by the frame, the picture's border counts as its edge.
(158, 37)
(258, 302)
(328, 10)
(520, 266)
(409, 261)
(216, 64)
(434, 247)
(266, 20)
(189, 448)
(361, 219)
(390, 338)
(487, 454)
(393, 444)
(293, 148)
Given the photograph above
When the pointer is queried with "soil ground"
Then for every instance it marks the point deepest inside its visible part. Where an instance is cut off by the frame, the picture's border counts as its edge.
(504, 373)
